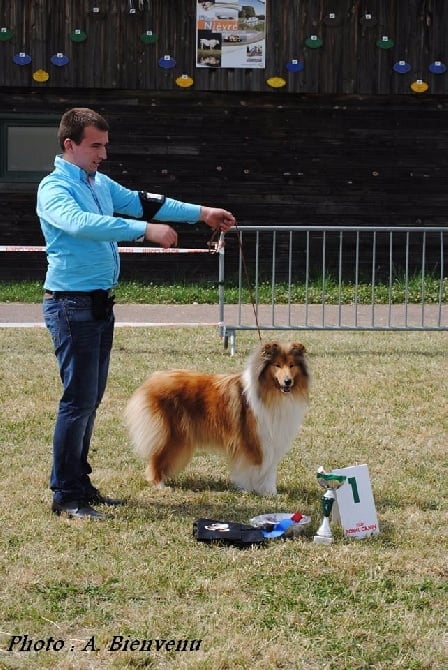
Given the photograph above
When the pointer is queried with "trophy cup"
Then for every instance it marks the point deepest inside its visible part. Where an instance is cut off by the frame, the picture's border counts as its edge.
(330, 481)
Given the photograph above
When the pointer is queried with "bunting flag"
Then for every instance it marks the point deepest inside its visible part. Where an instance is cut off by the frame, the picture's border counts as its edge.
(184, 81)
(21, 58)
(276, 82)
(41, 76)
(385, 43)
(148, 37)
(402, 67)
(59, 59)
(295, 65)
(5, 34)
(419, 86)
(437, 67)
(313, 42)
(78, 35)
(167, 62)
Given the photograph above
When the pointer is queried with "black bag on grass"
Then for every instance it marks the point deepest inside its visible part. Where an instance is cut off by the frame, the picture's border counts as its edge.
(226, 532)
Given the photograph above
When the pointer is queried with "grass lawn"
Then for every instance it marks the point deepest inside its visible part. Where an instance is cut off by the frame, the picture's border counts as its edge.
(373, 604)
(433, 289)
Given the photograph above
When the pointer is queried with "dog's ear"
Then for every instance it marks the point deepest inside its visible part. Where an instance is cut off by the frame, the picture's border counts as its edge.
(298, 349)
(270, 350)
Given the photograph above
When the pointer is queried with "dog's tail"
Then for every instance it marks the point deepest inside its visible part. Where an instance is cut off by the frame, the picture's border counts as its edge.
(146, 429)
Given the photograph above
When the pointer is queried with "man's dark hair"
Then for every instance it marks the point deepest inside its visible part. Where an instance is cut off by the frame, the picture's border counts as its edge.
(75, 120)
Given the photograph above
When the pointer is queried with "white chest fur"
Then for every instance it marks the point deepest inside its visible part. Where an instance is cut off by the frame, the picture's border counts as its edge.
(278, 424)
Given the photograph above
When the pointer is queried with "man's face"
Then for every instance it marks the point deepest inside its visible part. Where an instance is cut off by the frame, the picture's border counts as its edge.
(89, 153)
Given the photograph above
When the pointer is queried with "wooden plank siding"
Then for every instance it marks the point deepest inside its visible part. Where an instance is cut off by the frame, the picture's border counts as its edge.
(271, 159)
(346, 141)
(113, 56)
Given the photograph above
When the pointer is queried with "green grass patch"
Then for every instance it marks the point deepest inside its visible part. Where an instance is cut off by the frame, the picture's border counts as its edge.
(430, 290)
(373, 604)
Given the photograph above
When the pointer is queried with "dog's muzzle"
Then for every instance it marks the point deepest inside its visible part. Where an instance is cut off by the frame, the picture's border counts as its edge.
(286, 386)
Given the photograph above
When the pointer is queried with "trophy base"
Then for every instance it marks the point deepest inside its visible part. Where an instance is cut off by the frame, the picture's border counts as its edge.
(322, 539)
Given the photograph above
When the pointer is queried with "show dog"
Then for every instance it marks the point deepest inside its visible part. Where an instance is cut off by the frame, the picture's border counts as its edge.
(251, 417)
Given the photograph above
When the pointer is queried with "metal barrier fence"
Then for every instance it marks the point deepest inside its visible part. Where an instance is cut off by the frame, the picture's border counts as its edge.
(381, 278)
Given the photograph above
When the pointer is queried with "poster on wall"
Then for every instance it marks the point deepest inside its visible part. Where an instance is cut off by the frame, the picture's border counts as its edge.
(231, 34)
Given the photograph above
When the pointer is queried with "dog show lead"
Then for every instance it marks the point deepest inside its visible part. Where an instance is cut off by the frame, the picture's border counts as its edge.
(81, 214)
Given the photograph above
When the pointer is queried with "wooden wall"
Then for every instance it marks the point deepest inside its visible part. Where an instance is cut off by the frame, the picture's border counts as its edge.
(271, 159)
(113, 55)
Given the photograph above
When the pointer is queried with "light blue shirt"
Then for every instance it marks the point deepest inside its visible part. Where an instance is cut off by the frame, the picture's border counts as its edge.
(78, 217)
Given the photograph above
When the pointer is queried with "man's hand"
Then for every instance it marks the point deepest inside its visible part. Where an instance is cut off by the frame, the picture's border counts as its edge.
(160, 233)
(217, 218)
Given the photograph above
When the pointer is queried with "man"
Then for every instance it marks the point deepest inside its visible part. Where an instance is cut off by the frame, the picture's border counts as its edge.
(79, 210)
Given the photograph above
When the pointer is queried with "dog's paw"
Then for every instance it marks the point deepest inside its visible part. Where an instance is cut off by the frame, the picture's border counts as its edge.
(161, 486)
(158, 486)
(240, 488)
(259, 490)
(266, 490)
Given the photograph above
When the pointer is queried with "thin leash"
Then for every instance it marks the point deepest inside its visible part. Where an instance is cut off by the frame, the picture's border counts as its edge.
(246, 271)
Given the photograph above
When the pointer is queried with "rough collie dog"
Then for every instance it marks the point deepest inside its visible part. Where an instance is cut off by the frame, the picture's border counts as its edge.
(251, 417)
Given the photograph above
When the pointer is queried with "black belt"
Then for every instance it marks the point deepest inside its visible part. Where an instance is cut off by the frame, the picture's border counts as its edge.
(74, 294)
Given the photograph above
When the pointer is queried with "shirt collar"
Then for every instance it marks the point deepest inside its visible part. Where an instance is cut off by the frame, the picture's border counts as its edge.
(72, 170)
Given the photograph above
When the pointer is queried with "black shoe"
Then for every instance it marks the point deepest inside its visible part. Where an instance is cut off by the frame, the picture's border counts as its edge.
(77, 510)
(95, 498)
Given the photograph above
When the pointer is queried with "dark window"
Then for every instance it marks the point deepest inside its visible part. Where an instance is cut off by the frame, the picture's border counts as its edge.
(27, 148)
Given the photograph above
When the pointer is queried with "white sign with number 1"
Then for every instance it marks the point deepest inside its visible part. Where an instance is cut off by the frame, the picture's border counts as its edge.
(355, 503)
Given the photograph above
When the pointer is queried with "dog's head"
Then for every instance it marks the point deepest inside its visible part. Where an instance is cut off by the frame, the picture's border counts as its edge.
(285, 366)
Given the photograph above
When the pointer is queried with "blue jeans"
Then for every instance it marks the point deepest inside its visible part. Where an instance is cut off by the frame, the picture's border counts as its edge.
(82, 347)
